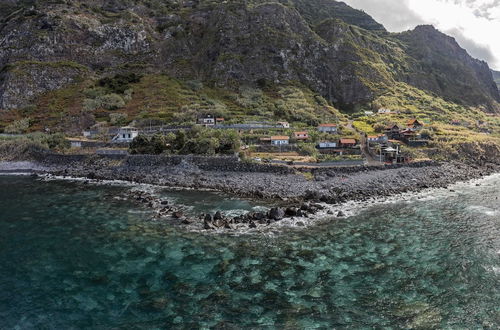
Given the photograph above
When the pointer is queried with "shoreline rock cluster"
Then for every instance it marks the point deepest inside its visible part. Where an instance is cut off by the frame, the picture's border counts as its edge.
(163, 209)
(289, 188)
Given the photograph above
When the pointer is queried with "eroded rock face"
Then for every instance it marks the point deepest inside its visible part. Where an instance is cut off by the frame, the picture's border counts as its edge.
(20, 84)
(333, 49)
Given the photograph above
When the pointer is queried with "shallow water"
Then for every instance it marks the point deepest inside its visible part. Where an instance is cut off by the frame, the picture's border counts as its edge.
(79, 256)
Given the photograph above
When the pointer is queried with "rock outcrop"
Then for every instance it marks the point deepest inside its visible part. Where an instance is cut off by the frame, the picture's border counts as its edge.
(336, 51)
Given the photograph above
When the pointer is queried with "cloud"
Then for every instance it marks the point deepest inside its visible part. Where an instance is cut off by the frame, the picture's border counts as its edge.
(395, 15)
(473, 23)
(475, 50)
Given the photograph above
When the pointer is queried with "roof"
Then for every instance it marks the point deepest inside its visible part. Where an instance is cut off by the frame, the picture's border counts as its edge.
(219, 119)
(300, 133)
(277, 138)
(373, 136)
(413, 122)
(327, 125)
(347, 141)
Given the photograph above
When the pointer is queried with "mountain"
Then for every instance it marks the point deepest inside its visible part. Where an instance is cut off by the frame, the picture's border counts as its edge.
(496, 77)
(283, 59)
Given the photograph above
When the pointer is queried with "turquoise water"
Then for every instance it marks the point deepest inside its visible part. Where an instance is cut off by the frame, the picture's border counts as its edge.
(75, 256)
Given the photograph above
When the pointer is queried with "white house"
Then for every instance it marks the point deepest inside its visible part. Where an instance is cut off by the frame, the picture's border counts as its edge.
(328, 128)
(369, 113)
(126, 134)
(280, 140)
(284, 124)
(207, 121)
(327, 145)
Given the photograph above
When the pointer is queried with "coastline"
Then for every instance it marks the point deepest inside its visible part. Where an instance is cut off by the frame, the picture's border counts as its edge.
(302, 196)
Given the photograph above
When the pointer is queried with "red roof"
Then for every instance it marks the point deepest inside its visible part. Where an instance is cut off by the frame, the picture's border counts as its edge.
(327, 125)
(347, 141)
(279, 138)
(300, 133)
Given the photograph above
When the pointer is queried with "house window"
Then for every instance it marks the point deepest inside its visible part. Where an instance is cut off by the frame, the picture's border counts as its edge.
(123, 135)
(129, 136)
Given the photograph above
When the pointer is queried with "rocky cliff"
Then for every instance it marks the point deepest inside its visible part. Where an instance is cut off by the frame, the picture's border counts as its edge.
(496, 78)
(334, 50)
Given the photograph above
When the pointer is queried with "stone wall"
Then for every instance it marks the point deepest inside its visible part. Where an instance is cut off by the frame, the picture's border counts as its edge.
(223, 164)
(333, 171)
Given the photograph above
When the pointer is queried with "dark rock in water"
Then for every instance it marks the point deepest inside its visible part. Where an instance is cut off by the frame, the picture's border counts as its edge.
(330, 212)
(276, 213)
(291, 211)
(228, 225)
(252, 224)
(209, 225)
(312, 195)
(219, 223)
(187, 221)
(91, 176)
(218, 216)
(300, 213)
(318, 206)
(305, 207)
(300, 224)
(208, 217)
(178, 214)
(164, 202)
(258, 216)
(340, 214)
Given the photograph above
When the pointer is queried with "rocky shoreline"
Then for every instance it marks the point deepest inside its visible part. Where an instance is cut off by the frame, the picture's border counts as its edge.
(297, 193)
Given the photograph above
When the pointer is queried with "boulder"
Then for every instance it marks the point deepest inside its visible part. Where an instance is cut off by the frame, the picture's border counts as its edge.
(187, 221)
(276, 213)
(258, 216)
(291, 211)
(340, 214)
(178, 215)
(252, 225)
(218, 216)
(209, 225)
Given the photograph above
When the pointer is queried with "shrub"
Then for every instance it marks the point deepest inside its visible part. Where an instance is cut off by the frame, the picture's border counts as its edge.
(18, 127)
(118, 118)
(154, 145)
(194, 85)
(198, 140)
(91, 104)
(112, 101)
(307, 150)
(119, 83)
(56, 141)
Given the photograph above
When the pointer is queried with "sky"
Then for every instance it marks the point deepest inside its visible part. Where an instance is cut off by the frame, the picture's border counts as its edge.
(475, 24)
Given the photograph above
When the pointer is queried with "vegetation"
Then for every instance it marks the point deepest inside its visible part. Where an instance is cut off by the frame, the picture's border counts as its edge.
(198, 140)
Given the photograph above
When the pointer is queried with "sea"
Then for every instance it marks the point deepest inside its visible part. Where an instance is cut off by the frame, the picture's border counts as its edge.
(75, 255)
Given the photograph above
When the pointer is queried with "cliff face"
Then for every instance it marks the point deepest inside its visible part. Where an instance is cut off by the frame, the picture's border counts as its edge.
(338, 52)
(440, 65)
(496, 77)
